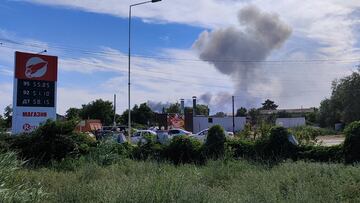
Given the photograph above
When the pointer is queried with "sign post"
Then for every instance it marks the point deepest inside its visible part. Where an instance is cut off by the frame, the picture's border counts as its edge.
(34, 97)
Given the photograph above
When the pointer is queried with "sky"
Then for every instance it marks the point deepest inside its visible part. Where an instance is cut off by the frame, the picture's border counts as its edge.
(173, 50)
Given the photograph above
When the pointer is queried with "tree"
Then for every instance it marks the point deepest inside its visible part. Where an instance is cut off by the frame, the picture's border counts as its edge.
(269, 105)
(343, 105)
(173, 108)
(8, 116)
(327, 115)
(98, 109)
(143, 114)
(201, 109)
(139, 115)
(241, 112)
(2, 123)
(254, 116)
(220, 114)
(73, 114)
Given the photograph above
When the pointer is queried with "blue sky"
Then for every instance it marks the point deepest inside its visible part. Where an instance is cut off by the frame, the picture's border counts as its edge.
(90, 38)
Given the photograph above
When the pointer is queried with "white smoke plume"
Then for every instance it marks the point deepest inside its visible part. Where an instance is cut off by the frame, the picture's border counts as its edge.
(237, 50)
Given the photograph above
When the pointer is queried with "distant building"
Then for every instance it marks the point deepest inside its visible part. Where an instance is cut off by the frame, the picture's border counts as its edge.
(292, 112)
(60, 117)
(203, 122)
(290, 122)
(88, 125)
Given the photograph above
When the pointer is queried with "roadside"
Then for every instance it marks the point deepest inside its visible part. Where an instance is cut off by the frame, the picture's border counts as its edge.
(330, 140)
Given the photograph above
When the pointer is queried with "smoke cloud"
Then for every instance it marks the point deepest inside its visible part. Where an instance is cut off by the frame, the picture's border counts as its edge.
(237, 50)
(157, 106)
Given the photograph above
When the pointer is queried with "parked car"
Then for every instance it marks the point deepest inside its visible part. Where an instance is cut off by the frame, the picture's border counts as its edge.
(139, 135)
(203, 134)
(163, 136)
(178, 132)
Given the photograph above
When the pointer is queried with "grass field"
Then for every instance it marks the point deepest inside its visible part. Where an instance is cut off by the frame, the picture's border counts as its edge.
(217, 181)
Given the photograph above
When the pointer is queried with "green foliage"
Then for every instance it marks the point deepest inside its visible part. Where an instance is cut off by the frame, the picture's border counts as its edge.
(173, 108)
(2, 124)
(12, 187)
(201, 109)
(140, 116)
(107, 153)
(321, 153)
(342, 105)
(8, 116)
(242, 148)
(5, 141)
(306, 135)
(277, 146)
(254, 116)
(269, 105)
(246, 132)
(352, 142)
(98, 109)
(73, 114)
(312, 118)
(217, 181)
(220, 114)
(328, 114)
(184, 149)
(241, 111)
(214, 145)
(52, 141)
(148, 150)
(263, 130)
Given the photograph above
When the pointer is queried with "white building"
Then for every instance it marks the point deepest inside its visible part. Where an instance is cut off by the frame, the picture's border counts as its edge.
(291, 122)
(203, 122)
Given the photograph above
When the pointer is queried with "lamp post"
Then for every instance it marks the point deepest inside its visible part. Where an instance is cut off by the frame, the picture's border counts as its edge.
(129, 60)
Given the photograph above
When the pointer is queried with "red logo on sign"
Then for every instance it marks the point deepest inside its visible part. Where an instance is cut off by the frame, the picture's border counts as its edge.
(26, 127)
(35, 67)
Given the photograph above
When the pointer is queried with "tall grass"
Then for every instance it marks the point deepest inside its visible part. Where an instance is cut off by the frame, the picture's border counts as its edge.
(217, 181)
(12, 185)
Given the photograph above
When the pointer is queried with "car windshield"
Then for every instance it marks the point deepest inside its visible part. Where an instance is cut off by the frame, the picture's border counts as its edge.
(174, 132)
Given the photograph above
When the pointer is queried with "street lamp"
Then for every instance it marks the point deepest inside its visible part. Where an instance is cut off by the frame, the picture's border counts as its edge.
(129, 107)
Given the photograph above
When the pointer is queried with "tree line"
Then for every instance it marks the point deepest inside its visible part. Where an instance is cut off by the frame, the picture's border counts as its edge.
(343, 106)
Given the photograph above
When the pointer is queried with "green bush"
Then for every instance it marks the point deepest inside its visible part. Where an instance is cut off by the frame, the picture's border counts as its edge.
(241, 148)
(214, 145)
(184, 149)
(352, 142)
(149, 150)
(321, 153)
(306, 134)
(277, 146)
(5, 140)
(52, 141)
(109, 152)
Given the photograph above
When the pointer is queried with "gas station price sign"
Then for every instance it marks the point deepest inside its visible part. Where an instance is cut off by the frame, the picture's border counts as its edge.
(34, 98)
(36, 93)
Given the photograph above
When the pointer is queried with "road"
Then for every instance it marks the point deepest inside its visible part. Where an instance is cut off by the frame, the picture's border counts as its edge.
(330, 140)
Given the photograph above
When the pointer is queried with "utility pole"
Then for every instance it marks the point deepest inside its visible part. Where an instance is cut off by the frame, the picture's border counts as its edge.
(114, 121)
(233, 113)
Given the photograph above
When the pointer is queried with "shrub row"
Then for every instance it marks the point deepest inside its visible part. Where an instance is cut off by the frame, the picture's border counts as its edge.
(53, 141)
(56, 141)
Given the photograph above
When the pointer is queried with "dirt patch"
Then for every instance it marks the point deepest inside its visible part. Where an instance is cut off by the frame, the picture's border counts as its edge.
(329, 140)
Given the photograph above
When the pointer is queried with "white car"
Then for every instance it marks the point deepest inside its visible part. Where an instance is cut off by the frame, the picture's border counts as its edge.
(139, 136)
(178, 132)
(202, 135)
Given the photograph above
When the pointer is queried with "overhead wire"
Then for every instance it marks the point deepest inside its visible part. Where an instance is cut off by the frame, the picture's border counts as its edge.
(168, 58)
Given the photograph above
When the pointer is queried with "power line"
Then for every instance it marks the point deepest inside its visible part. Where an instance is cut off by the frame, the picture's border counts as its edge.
(215, 60)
